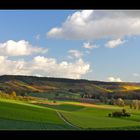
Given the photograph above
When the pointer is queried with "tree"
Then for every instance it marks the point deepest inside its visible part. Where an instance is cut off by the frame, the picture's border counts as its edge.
(23, 94)
(112, 102)
(123, 111)
(131, 106)
(120, 102)
(138, 104)
(117, 114)
(109, 115)
(82, 95)
(102, 99)
(54, 101)
(13, 94)
(135, 104)
(56, 94)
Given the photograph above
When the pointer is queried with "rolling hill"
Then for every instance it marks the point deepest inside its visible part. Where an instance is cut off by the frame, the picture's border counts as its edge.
(43, 114)
(49, 87)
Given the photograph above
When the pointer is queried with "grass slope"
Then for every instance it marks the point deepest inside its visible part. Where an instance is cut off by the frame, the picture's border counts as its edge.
(17, 115)
(23, 116)
(96, 118)
(66, 107)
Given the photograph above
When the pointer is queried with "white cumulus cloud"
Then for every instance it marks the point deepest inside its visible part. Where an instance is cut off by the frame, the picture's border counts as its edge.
(114, 43)
(114, 79)
(96, 24)
(75, 53)
(49, 66)
(44, 66)
(19, 48)
(12, 67)
(88, 45)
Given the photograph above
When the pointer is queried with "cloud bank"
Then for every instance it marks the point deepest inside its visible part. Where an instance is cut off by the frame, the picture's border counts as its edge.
(96, 24)
(44, 66)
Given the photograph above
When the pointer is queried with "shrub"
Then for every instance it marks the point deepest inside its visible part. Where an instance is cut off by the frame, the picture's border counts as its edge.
(126, 115)
(54, 101)
(117, 114)
(122, 113)
(109, 115)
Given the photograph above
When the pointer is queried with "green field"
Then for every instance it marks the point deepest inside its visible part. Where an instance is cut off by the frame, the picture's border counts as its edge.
(65, 107)
(98, 119)
(18, 115)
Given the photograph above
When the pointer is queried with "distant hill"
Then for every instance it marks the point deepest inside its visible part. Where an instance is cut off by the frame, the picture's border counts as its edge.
(44, 86)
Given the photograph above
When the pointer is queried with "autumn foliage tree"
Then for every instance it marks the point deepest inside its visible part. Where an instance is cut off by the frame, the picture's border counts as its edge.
(120, 102)
(13, 94)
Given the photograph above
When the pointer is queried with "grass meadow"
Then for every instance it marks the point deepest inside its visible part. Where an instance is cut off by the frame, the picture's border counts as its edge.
(19, 115)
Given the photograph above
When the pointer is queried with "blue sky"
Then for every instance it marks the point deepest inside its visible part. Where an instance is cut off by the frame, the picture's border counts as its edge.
(87, 44)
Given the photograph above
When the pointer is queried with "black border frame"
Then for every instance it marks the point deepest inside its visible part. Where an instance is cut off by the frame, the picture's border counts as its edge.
(70, 4)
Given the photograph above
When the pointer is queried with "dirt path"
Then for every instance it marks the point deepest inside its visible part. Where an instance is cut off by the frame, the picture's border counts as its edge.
(66, 121)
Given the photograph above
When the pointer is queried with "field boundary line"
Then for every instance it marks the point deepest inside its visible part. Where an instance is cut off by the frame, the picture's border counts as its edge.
(66, 121)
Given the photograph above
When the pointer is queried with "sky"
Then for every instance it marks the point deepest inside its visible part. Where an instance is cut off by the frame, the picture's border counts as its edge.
(80, 44)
